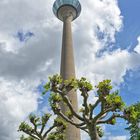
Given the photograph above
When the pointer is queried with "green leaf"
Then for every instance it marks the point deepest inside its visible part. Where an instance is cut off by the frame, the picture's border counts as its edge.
(100, 131)
(47, 86)
(104, 88)
(84, 85)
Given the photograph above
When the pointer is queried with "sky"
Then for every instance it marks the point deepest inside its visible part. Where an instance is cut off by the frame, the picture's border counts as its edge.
(106, 40)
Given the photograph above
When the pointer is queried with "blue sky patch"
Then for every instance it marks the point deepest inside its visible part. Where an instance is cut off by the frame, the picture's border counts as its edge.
(24, 36)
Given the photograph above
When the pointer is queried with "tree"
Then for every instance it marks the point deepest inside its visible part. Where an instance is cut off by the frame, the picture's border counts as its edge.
(134, 125)
(37, 131)
(110, 104)
(110, 107)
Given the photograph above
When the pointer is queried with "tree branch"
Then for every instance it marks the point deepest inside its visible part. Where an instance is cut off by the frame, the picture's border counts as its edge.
(85, 105)
(102, 113)
(93, 107)
(84, 129)
(35, 129)
(31, 135)
(42, 128)
(66, 100)
(85, 97)
(68, 120)
(109, 119)
(50, 129)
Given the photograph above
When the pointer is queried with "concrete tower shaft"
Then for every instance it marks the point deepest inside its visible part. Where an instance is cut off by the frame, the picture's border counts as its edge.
(67, 11)
(67, 71)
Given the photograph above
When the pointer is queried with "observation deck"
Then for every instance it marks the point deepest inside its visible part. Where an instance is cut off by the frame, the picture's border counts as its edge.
(61, 7)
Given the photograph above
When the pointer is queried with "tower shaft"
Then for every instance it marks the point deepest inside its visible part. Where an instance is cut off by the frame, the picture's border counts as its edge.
(67, 71)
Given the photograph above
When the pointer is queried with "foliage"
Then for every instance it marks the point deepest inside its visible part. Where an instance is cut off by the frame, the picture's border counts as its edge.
(28, 138)
(134, 123)
(100, 131)
(37, 131)
(110, 103)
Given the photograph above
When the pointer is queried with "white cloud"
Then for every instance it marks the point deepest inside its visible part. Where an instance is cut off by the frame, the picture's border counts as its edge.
(42, 47)
(118, 138)
(17, 100)
(137, 48)
(111, 65)
(94, 22)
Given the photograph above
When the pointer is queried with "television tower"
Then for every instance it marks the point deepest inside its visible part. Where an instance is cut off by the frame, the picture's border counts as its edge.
(67, 11)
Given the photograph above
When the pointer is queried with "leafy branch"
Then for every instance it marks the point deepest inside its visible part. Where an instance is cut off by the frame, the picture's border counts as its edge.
(37, 129)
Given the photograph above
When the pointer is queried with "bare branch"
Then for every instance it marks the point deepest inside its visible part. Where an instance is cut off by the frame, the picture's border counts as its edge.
(35, 129)
(49, 130)
(42, 128)
(102, 113)
(111, 118)
(67, 101)
(93, 107)
(30, 134)
(84, 129)
(69, 120)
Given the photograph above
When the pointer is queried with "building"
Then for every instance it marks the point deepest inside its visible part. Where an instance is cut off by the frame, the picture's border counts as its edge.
(67, 11)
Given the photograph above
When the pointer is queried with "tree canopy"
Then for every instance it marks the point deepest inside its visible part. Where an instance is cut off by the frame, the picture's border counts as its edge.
(109, 104)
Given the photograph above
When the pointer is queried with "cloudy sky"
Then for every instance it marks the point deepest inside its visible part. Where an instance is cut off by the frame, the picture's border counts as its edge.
(106, 43)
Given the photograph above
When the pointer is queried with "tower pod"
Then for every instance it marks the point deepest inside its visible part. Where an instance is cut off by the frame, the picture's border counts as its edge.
(62, 7)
